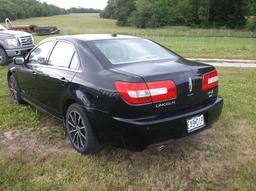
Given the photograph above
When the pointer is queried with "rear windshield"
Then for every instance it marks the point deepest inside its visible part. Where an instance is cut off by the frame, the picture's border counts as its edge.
(124, 51)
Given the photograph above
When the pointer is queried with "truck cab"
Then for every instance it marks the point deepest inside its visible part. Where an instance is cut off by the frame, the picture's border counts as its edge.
(14, 43)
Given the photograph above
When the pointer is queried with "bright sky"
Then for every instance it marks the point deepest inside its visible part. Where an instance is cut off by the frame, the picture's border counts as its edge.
(98, 4)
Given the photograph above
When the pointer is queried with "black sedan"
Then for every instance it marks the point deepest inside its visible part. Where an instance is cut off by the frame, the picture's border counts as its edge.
(117, 90)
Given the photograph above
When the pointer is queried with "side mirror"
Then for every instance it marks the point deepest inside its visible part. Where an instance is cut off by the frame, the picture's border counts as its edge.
(19, 60)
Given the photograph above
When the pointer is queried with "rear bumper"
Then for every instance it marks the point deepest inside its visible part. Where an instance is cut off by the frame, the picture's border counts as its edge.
(138, 134)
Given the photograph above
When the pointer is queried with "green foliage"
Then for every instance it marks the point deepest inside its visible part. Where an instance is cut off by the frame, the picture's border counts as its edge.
(150, 13)
(251, 24)
(123, 10)
(83, 10)
(227, 13)
(110, 10)
(18, 9)
(251, 7)
(120, 10)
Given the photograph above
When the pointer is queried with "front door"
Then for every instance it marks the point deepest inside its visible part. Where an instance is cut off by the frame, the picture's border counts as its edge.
(27, 75)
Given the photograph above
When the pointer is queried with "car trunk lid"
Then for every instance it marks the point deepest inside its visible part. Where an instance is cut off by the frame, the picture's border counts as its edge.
(187, 76)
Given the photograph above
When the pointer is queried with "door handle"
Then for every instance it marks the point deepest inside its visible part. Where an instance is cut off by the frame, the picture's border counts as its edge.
(63, 81)
(34, 73)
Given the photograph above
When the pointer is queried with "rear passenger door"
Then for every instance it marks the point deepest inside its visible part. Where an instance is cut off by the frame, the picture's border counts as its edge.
(55, 77)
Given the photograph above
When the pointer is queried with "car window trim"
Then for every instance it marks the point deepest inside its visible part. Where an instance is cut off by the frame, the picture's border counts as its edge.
(58, 68)
(72, 59)
(78, 66)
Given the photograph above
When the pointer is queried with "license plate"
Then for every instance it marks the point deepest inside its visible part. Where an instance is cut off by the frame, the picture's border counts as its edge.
(195, 123)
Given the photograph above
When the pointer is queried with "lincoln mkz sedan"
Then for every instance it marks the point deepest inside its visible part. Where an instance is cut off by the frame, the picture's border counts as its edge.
(117, 90)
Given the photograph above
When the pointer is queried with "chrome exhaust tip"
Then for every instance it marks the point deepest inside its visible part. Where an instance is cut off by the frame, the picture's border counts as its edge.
(161, 148)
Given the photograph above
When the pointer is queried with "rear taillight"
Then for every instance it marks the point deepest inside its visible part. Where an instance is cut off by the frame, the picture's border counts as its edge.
(139, 93)
(210, 80)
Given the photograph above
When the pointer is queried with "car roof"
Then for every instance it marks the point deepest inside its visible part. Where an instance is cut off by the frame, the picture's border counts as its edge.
(93, 37)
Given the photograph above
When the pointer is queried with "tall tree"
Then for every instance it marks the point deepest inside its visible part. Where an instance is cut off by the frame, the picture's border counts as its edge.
(124, 8)
(228, 13)
(110, 10)
(152, 13)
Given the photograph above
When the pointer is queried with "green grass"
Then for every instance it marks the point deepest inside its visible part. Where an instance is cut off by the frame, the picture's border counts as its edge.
(189, 42)
(14, 115)
(35, 153)
(222, 158)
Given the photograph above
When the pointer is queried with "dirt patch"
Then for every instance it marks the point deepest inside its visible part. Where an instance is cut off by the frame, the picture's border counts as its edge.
(26, 142)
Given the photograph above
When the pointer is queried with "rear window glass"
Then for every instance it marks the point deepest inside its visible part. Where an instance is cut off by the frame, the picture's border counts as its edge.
(61, 55)
(123, 51)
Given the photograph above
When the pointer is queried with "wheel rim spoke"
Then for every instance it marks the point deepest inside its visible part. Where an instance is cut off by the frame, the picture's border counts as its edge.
(81, 128)
(13, 89)
(71, 124)
(83, 136)
(74, 137)
(72, 118)
(80, 139)
(73, 131)
(78, 120)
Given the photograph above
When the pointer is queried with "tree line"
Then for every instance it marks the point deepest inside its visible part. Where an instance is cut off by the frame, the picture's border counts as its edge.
(83, 10)
(20, 9)
(200, 13)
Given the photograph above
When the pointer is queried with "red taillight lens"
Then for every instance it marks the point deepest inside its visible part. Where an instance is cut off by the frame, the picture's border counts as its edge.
(134, 93)
(163, 90)
(139, 93)
(210, 80)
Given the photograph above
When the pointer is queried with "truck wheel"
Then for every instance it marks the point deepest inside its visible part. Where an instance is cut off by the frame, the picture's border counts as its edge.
(3, 57)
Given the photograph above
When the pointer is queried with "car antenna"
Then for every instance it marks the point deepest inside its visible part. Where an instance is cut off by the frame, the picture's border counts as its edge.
(114, 35)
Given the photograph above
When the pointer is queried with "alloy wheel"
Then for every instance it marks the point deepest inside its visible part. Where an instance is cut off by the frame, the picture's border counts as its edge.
(77, 130)
(13, 89)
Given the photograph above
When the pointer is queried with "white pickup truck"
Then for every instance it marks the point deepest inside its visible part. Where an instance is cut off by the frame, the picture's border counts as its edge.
(14, 43)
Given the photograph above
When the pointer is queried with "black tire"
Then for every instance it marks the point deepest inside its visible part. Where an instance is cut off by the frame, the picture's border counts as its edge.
(14, 91)
(3, 57)
(79, 130)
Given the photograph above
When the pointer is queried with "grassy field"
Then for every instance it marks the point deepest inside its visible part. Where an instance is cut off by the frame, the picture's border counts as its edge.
(189, 42)
(35, 153)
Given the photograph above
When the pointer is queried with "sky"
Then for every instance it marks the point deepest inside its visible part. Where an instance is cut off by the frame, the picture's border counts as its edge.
(98, 4)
